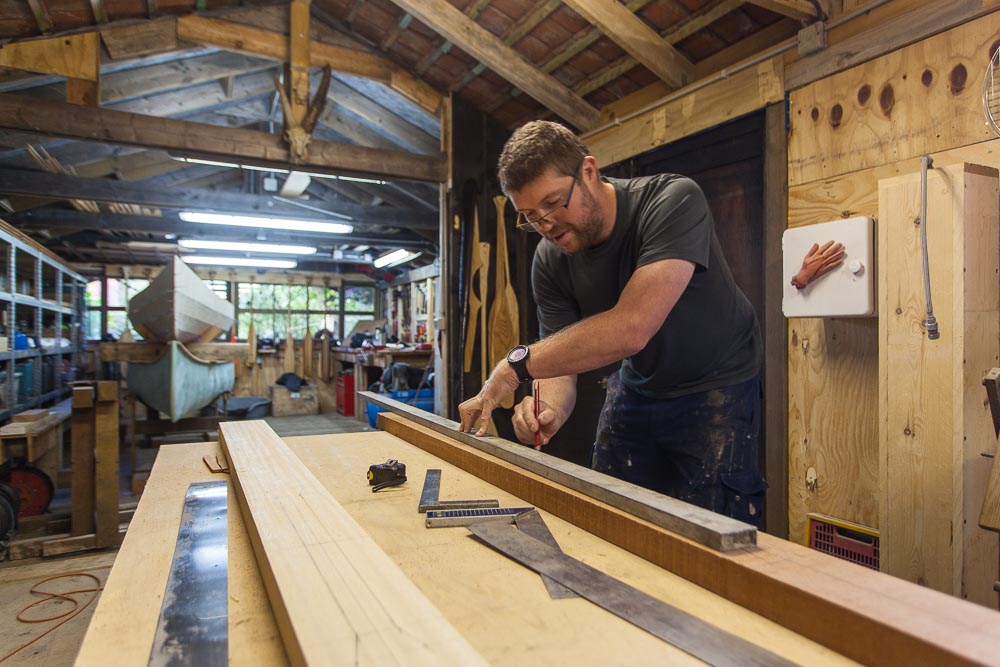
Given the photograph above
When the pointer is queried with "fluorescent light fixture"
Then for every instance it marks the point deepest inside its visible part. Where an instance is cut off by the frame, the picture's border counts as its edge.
(253, 167)
(395, 257)
(237, 246)
(266, 223)
(242, 261)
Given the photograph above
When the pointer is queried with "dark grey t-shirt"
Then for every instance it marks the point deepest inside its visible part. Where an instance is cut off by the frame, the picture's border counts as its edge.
(710, 339)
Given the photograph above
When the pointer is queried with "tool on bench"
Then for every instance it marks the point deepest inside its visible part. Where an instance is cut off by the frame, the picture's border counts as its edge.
(449, 518)
(432, 488)
(675, 626)
(194, 618)
(384, 475)
(533, 525)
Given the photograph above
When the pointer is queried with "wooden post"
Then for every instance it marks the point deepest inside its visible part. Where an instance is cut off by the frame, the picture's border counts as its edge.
(106, 463)
(933, 420)
(82, 461)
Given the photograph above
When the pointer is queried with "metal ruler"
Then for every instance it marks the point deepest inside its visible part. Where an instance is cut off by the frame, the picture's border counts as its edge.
(432, 489)
(194, 615)
(533, 525)
(448, 518)
(675, 626)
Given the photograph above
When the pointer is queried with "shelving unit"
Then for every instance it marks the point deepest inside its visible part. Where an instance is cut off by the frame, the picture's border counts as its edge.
(41, 299)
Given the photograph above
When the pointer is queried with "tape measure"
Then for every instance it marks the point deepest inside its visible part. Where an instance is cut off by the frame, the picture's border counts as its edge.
(383, 475)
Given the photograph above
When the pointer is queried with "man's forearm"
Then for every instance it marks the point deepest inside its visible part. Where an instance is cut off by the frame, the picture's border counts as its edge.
(592, 343)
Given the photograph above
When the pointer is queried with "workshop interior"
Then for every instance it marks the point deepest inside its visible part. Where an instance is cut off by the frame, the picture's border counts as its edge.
(307, 358)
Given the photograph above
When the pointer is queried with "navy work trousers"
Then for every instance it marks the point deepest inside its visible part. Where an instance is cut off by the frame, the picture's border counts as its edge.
(700, 448)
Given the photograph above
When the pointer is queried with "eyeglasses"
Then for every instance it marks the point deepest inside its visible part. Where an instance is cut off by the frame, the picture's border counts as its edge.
(524, 223)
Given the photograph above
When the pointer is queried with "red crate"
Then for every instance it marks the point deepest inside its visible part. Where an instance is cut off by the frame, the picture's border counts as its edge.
(857, 546)
(345, 394)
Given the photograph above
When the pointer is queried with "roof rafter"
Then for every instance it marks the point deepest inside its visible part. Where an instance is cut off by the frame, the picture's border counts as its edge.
(637, 39)
(468, 35)
(802, 10)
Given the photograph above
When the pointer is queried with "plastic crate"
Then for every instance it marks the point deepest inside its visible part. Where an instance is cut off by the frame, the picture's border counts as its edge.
(844, 540)
(424, 401)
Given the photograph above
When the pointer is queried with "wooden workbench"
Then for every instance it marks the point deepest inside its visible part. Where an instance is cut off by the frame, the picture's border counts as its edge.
(361, 360)
(501, 608)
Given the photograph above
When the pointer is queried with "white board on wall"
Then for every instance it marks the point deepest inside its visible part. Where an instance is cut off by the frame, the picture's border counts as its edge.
(848, 290)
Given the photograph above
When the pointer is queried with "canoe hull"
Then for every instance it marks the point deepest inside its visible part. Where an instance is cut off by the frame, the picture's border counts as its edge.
(178, 382)
(177, 305)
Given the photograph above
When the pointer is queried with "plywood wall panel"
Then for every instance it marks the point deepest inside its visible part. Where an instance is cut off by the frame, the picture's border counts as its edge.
(832, 411)
(920, 99)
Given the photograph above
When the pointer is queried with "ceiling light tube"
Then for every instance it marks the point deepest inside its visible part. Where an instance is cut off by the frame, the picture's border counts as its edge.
(394, 257)
(242, 261)
(266, 223)
(239, 246)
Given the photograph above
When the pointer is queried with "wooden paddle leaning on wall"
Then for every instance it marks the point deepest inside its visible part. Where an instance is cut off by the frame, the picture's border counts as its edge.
(504, 322)
(479, 269)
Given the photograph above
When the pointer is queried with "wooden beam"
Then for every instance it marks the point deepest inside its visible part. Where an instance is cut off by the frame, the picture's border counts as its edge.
(76, 56)
(17, 181)
(800, 10)
(209, 142)
(449, 22)
(100, 15)
(150, 352)
(83, 92)
(831, 601)
(235, 37)
(298, 60)
(699, 525)
(41, 14)
(140, 38)
(774, 324)
(369, 612)
(637, 39)
(106, 464)
(82, 461)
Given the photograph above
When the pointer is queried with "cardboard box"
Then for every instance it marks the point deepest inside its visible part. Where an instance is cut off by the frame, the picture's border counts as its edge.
(287, 404)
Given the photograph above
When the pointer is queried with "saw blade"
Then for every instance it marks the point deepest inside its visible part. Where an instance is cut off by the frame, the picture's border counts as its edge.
(194, 615)
(675, 626)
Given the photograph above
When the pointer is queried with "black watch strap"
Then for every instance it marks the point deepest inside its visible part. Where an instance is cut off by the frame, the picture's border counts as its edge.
(518, 360)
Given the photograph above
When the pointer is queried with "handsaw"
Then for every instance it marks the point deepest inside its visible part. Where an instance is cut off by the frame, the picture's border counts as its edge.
(504, 322)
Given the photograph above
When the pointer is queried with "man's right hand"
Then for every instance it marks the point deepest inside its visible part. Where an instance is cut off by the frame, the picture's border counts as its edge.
(525, 424)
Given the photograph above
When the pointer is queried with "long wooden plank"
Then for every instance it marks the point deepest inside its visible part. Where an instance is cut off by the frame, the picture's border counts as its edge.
(704, 527)
(208, 141)
(863, 614)
(337, 597)
(452, 24)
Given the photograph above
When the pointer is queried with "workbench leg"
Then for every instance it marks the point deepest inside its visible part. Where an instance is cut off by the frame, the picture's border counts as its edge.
(82, 461)
(106, 464)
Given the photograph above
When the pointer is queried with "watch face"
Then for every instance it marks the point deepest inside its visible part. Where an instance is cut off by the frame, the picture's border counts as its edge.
(517, 354)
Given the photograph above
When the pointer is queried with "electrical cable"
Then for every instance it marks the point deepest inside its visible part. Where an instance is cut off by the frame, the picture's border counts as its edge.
(49, 596)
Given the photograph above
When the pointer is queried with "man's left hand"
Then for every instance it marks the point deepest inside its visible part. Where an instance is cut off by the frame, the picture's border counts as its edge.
(502, 381)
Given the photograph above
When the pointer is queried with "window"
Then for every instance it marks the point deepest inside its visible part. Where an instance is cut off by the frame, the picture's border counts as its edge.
(276, 309)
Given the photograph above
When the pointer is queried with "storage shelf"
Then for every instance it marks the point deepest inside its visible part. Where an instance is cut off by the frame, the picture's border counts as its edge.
(35, 402)
(36, 287)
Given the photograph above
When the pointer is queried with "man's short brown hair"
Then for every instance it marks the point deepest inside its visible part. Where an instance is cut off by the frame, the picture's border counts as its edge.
(535, 147)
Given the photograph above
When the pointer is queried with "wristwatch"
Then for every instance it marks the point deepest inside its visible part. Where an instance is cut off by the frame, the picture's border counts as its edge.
(518, 360)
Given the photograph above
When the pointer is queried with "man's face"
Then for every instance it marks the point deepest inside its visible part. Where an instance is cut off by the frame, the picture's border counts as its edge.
(566, 211)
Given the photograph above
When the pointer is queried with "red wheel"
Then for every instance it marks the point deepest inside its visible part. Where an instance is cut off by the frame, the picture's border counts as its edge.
(33, 486)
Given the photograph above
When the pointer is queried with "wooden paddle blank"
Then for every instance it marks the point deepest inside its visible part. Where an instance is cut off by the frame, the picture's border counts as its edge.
(504, 322)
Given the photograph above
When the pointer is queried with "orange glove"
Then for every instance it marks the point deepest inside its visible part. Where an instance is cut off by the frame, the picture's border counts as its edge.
(819, 261)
